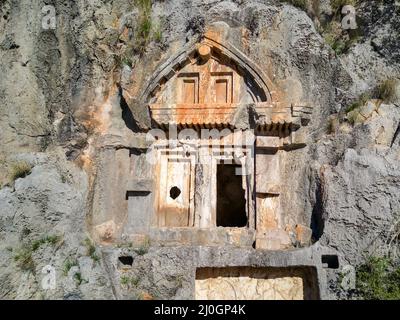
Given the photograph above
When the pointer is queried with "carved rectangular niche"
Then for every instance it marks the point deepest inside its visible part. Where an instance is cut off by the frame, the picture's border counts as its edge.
(188, 88)
(139, 207)
(222, 87)
(262, 283)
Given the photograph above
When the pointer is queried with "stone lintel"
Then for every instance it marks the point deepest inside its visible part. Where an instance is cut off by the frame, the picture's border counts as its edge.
(268, 142)
(140, 186)
(269, 189)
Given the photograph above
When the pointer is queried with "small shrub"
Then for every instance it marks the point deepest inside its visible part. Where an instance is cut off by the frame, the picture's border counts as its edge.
(332, 33)
(352, 111)
(157, 33)
(145, 31)
(378, 279)
(386, 90)
(24, 259)
(340, 42)
(129, 281)
(339, 46)
(143, 27)
(68, 264)
(144, 248)
(352, 117)
(91, 250)
(362, 100)
(79, 279)
(36, 244)
(20, 169)
(124, 280)
(53, 240)
(23, 256)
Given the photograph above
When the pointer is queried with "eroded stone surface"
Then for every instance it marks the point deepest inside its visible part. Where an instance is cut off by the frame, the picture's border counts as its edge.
(78, 89)
(248, 286)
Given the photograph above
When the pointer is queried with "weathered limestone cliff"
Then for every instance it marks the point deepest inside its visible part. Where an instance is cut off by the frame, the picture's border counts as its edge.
(79, 201)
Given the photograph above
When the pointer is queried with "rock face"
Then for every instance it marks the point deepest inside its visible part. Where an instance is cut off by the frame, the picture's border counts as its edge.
(72, 107)
(42, 226)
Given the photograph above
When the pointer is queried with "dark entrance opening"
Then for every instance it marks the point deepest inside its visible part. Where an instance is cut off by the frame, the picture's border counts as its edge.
(231, 202)
(330, 261)
(126, 260)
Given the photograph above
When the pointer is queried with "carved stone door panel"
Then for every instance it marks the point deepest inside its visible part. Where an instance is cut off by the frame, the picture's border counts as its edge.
(174, 208)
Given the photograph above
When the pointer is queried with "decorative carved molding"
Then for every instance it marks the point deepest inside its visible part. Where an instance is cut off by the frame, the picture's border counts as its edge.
(255, 78)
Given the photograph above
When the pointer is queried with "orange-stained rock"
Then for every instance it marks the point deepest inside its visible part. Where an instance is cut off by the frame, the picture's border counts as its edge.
(303, 234)
(105, 231)
(147, 296)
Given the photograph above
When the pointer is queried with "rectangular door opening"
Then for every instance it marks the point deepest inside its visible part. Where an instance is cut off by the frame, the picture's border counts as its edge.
(231, 201)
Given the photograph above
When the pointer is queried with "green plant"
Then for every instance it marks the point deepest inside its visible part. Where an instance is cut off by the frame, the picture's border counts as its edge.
(20, 169)
(338, 42)
(361, 100)
(127, 61)
(53, 239)
(352, 117)
(68, 264)
(129, 281)
(91, 250)
(146, 30)
(79, 279)
(23, 256)
(24, 259)
(124, 280)
(378, 279)
(386, 90)
(143, 27)
(144, 248)
(157, 32)
(333, 33)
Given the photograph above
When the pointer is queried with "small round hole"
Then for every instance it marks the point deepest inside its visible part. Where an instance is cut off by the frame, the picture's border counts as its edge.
(174, 192)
